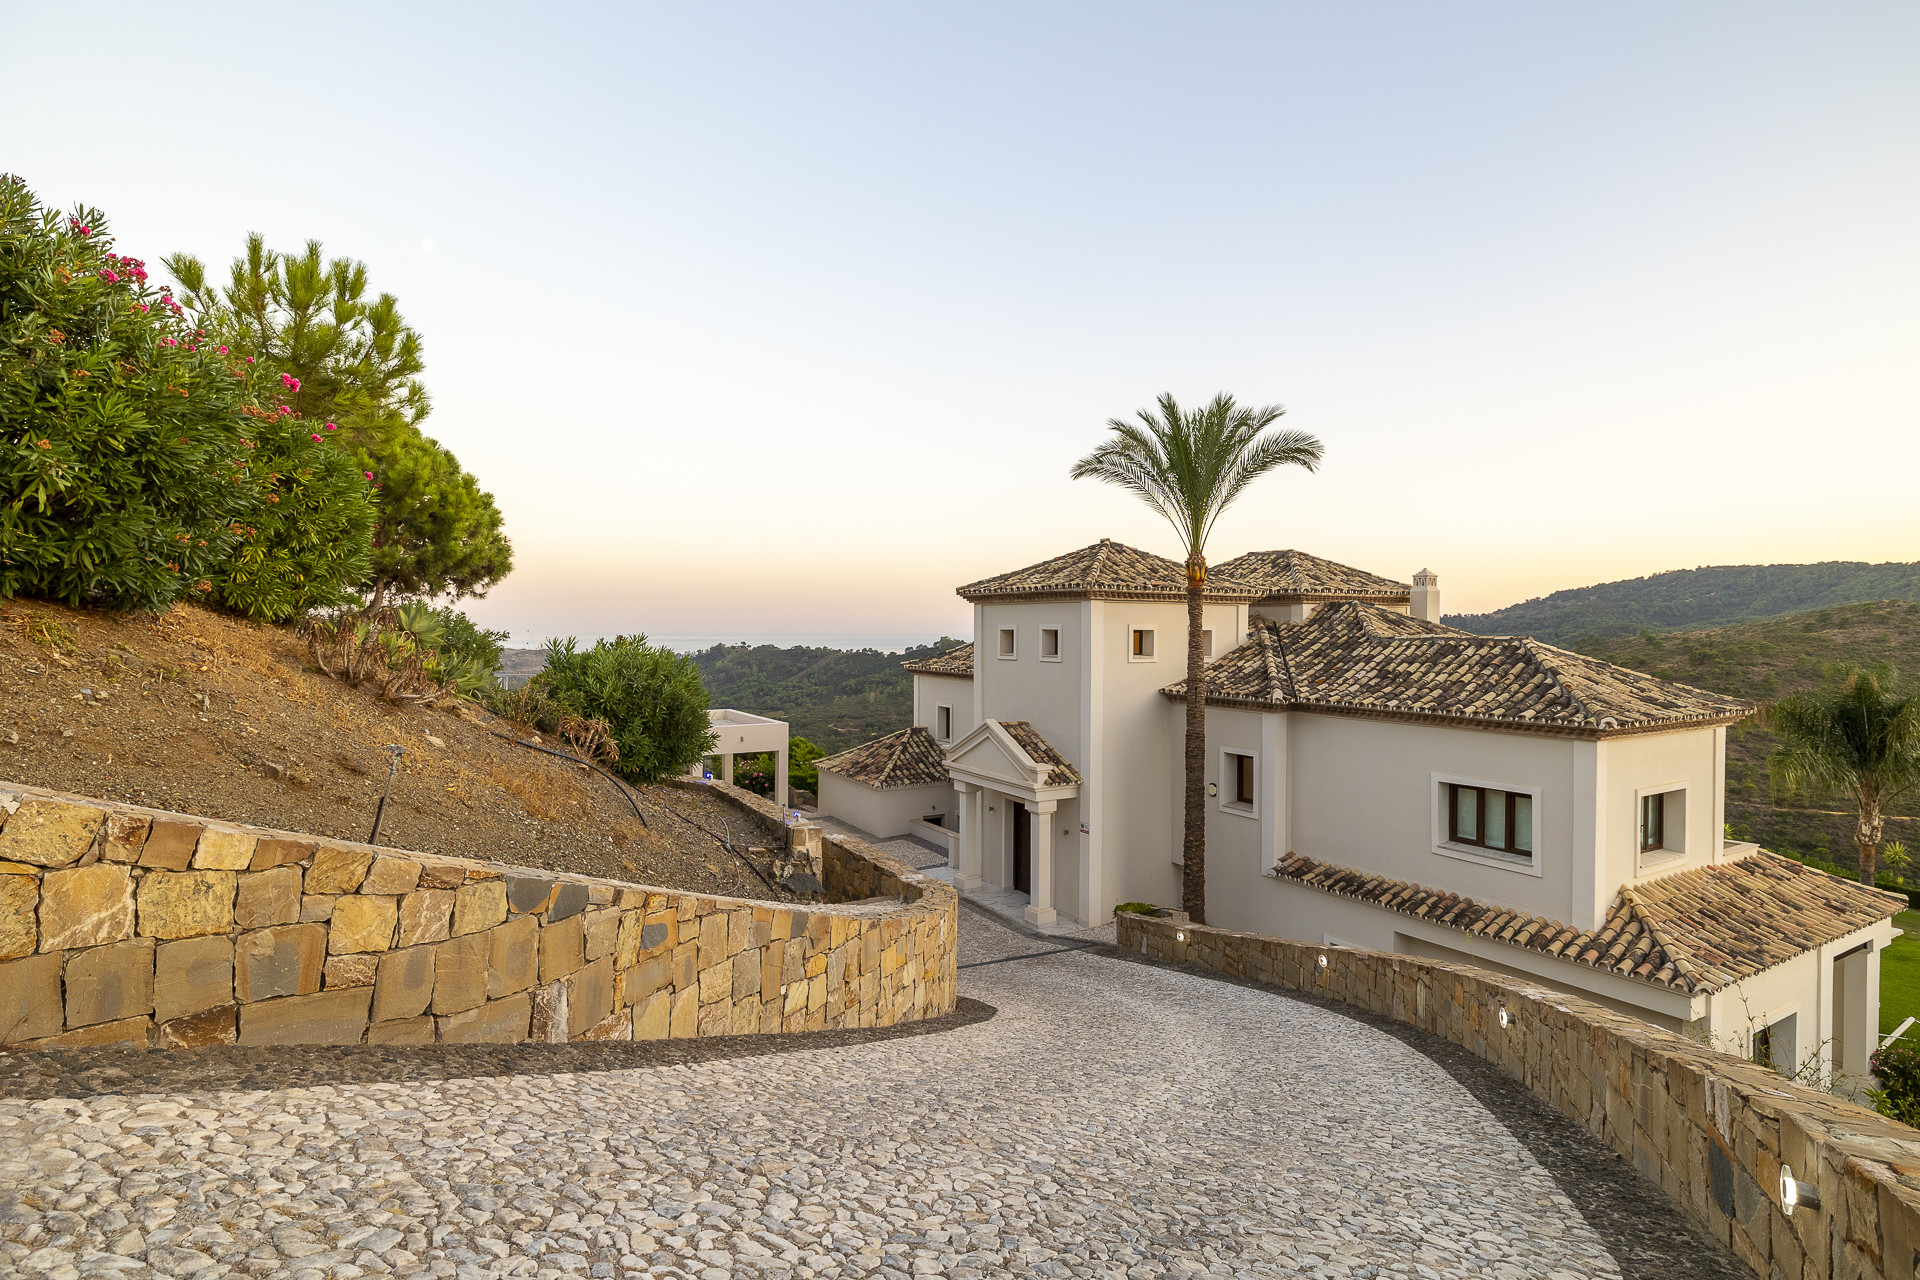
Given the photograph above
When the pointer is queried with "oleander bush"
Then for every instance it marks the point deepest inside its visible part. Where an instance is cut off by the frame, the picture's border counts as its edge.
(650, 697)
(1897, 1068)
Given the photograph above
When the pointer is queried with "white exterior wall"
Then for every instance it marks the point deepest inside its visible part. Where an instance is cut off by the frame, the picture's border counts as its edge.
(881, 813)
(930, 692)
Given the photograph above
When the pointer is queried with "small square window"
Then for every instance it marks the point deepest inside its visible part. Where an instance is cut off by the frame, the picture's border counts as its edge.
(1050, 643)
(1206, 643)
(1240, 781)
(943, 723)
(1006, 642)
(1142, 647)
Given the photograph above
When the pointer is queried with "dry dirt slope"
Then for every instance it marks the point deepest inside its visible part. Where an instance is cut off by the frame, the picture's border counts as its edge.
(197, 712)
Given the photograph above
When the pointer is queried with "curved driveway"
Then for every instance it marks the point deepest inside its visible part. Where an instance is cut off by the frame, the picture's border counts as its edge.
(1114, 1119)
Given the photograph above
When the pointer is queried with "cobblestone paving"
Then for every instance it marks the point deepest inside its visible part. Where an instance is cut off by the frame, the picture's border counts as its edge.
(1113, 1120)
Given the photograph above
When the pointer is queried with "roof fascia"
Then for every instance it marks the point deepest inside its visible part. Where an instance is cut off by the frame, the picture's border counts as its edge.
(1540, 728)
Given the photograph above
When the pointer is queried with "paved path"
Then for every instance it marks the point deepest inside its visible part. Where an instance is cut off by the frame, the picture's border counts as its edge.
(1114, 1119)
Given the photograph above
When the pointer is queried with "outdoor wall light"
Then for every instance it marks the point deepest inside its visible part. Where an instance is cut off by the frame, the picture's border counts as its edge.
(1321, 963)
(1213, 788)
(1793, 1192)
(1506, 1019)
(1179, 936)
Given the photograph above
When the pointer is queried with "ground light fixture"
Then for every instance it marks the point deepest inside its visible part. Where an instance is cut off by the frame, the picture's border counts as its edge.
(1321, 963)
(1506, 1019)
(1795, 1192)
(1179, 935)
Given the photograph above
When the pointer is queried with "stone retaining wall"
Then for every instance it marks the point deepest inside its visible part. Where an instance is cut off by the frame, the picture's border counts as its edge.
(129, 926)
(1712, 1130)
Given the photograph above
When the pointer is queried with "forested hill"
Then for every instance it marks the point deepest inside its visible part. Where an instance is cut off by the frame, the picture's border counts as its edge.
(1718, 595)
(834, 698)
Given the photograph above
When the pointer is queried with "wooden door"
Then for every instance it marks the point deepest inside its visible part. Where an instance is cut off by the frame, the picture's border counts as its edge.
(1022, 848)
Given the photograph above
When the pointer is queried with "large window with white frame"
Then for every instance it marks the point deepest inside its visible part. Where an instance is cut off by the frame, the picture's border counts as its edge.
(1483, 821)
(1660, 825)
(1238, 782)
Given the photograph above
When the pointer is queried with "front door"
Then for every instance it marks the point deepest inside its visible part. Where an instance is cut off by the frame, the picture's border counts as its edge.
(1022, 848)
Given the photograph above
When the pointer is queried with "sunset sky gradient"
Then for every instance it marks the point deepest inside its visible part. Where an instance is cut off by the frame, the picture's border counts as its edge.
(778, 319)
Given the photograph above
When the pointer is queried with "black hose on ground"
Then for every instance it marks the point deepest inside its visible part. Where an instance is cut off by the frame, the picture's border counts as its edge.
(534, 746)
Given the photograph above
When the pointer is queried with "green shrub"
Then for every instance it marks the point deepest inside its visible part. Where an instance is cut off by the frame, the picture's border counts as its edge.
(1897, 1068)
(801, 773)
(137, 464)
(1136, 908)
(651, 697)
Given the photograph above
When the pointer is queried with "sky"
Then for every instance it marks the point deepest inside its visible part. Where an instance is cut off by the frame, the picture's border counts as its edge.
(788, 319)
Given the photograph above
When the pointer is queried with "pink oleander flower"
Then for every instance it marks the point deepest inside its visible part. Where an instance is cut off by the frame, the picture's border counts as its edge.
(249, 359)
(168, 342)
(333, 426)
(367, 474)
(223, 351)
(290, 382)
(315, 437)
(109, 277)
(83, 229)
(142, 306)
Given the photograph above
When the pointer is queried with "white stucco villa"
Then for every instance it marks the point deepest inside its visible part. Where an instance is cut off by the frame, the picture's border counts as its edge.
(1375, 779)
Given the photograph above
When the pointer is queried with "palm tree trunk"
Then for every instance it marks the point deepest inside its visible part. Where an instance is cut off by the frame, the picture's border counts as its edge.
(1867, 833)
(1193, 847)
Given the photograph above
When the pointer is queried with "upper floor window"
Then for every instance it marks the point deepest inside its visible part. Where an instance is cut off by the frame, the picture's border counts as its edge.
(1662, 825)
(1050, 644)
(1653, 814)
(1141, 649)
(1006, 642)
(943, 723)
(1489, 819)
(1206, 644)
(1236, 784)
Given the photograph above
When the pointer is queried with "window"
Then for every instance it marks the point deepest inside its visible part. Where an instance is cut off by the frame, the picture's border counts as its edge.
(1050, 644)
(1662, 829)
(1489, 819)
(1240, 783)
(1653, 822)
(1142, 649)
(943, 723)
(1206, 643)
(1006, 642)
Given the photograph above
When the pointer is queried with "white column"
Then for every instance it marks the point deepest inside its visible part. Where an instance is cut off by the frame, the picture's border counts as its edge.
(972, 824)
(1040, 901)
(726, 768)
(780, 776)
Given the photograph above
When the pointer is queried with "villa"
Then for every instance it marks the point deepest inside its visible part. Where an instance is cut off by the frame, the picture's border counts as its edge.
(1375, 779)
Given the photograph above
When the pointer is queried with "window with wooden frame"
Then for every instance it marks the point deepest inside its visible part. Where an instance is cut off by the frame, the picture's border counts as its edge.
(1242, 777)
(1236, 785)
(1653, 822)
(1141, 649)
(1489, 819)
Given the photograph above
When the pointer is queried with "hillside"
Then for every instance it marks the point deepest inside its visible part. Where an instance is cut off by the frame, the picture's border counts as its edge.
(1768, 659)
(207, 714)
(1716, 596)
(834, 698)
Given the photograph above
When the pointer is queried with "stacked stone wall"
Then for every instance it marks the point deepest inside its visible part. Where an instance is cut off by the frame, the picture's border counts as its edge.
(131, 926)
(1711, 1130)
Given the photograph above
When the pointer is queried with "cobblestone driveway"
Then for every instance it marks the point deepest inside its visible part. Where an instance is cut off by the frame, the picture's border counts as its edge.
(1114, 1119)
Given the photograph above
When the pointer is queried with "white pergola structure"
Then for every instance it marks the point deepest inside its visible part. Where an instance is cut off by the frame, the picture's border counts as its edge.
(742, 734)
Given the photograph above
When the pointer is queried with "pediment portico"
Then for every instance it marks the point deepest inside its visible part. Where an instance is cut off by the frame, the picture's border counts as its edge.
(1006, 766)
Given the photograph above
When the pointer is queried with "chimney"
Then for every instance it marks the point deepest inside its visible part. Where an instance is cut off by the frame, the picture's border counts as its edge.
(1425, 602)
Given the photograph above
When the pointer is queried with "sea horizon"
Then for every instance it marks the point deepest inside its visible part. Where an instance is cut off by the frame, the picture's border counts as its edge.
(885, 642)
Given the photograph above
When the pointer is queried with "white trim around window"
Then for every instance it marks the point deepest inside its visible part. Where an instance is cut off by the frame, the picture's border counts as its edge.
(1525, 864)
(943, 724)
(1009, 646)
(1049, 639)
(1240, 783)
(1140, 644)
(1672, 845)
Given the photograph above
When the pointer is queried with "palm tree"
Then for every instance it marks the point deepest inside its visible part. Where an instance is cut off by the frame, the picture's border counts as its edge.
(1856, 737)
(1190, 466)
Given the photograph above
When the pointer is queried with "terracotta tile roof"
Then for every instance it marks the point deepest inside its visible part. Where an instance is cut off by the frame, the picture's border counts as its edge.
(909, 758)
(957, 661)
(1362, 659)
(1697, 930)
(1106, 570)
(1296, 574)
(1062, 773)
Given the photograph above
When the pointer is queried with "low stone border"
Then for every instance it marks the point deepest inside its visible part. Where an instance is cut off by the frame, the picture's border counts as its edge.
(1711, 1130)
(140, 928)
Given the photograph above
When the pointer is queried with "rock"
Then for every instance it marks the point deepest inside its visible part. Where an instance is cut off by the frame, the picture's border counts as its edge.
(268, 897)
(441, 875)
(615, 1026)
(272, 851)
(495, 1022)
(30, 1004)
(426, 915)
(185, 904)
(273, 771)
(391, 875)
(48, 833)
(351, 971)
(170, 844)
(86, 906)
(402, 1031)
(514, 962)
(130, 1033)
(590, 997)
(210, 1026)
(19, 925)
(562, 949)
(650, 1016)
(530, 893)
(338, 870)
(549, 1014)
(283, 961)
(192, 975)
(224, 849)
(10, 736)
(460, 981)
(433, 741)
(110, 984)
(404, 984)
(331, 1017)
(569, 900)
(125, 834)
(602, 932)
(479, 906)
(317, 906)
(362, 923)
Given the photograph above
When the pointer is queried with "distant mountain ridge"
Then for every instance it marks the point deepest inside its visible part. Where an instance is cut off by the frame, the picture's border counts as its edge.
(1712, 596)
